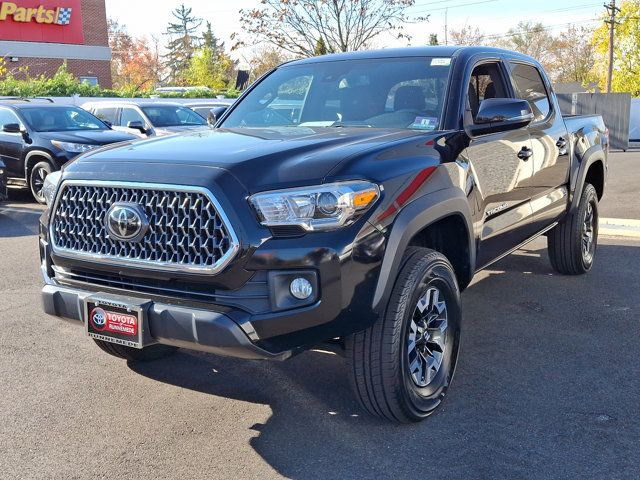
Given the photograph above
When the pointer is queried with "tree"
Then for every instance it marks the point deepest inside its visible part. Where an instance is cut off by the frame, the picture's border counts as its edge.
(532, 39)
(265, 59)
(321, 48)
(573, 56)
(135, 65)
(343, 25)
(210, 41)
(626, 52)
(210, 70)
(468, 35)
(183, 42)
(433, 39)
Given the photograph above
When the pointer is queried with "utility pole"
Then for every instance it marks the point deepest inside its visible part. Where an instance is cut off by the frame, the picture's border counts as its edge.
(613, 11)
(446, 26)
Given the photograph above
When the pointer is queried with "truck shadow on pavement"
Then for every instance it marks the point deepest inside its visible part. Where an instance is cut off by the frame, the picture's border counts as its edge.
(532, 397)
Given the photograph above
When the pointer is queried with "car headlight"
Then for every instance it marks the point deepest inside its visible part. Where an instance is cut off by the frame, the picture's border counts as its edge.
(50, 187)
(74, 147)
(325, 207)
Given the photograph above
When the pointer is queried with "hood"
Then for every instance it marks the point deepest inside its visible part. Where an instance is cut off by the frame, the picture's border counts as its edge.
(259, 158)
(91, 137)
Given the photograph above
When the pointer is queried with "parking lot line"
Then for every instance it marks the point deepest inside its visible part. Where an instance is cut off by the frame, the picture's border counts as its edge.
(620, 227)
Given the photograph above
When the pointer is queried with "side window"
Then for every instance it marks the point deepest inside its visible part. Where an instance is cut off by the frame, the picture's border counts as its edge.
(486, 82)
(130, 115)
(529, 86)
(108, 114)
(7, 116)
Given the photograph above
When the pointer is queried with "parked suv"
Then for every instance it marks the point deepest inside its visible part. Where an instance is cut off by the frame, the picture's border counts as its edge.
(37, 139)
(147, 118)
(355, 217)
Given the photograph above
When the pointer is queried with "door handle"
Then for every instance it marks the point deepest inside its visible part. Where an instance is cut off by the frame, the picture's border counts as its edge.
(525, 153)
(562, 146)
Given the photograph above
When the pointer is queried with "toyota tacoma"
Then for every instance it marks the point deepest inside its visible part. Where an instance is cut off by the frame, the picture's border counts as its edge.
(348, 198)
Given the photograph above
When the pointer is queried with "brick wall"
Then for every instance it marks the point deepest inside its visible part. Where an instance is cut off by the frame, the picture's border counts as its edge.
(94, 23)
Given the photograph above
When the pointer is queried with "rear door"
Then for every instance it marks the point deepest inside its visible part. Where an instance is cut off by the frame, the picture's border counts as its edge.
(11, 145)
(549, 139)
(499, 171)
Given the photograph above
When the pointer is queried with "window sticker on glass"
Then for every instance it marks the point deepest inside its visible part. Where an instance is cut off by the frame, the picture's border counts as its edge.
(440, 62)
(425, 123)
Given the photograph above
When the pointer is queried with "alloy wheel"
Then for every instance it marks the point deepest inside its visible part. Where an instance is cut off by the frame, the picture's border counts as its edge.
(427, 337)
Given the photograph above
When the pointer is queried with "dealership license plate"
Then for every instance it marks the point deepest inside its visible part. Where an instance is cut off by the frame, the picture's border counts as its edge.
(111, 320)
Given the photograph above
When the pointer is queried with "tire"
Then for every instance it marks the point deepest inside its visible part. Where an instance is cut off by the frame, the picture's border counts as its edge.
(380, 358)
(573, 242)
(147, 354)
(36, 179)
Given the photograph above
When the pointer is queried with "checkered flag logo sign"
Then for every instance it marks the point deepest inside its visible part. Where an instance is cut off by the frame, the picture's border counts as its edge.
(64, 16)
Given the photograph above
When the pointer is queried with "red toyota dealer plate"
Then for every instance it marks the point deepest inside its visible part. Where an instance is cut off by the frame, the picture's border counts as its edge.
(111, 320)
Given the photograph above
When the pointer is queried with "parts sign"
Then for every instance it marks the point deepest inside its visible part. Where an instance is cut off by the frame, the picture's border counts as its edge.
(41, 21)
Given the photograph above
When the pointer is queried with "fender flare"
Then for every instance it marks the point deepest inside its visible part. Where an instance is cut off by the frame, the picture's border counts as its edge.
(36, 153)
(591, 156)
(412, 219)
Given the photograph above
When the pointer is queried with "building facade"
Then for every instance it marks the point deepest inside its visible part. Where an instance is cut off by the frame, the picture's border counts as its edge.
(42, 34)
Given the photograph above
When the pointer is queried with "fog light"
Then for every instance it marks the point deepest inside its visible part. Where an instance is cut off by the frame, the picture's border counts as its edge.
(301, 288)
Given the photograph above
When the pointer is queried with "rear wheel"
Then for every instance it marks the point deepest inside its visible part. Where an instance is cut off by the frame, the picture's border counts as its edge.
(402, 366)
(147, 354)
(572, 243)
(36, 179)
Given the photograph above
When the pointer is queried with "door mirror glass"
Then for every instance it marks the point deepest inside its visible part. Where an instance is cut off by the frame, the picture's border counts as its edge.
(137, 125)
(502, 114)
(12, 128)
(215, 114)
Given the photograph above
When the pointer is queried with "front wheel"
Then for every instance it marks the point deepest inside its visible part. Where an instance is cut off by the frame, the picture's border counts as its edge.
(36, 180)
(402, 366)
(572, 243)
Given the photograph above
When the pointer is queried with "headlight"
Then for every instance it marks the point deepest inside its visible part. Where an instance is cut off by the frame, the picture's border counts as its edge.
(325, 207)
(74, 147)
(50, 187)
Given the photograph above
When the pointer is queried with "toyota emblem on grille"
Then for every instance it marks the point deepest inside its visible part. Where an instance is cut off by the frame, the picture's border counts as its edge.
(126, 222)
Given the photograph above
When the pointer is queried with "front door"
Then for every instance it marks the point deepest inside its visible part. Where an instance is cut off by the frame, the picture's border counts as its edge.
(501, 172)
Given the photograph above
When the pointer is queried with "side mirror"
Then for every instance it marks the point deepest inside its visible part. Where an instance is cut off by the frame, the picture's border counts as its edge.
(12, 128)
(137, 125)
(501, 115)
(215, 114)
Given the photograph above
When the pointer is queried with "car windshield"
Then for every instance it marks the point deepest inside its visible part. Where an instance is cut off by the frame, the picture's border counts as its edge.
(172, 116)
(61, 119)
(400, 93)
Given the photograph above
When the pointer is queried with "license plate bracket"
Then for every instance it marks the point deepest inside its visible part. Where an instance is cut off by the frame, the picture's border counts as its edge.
(117, 320)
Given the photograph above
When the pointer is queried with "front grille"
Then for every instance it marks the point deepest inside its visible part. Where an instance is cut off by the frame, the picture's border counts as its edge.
(187, 228)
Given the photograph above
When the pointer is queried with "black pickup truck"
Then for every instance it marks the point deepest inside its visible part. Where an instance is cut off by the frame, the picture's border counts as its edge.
(348, 198)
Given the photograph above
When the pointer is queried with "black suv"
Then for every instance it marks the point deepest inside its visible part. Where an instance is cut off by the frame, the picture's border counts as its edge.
(37, 139)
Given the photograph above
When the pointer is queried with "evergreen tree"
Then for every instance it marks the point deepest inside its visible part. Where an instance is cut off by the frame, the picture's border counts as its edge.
(433, 39)
(321, 47)
(210, 41)
(183, 42)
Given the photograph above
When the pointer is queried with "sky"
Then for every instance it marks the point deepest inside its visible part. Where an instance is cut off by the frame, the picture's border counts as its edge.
(494, 17)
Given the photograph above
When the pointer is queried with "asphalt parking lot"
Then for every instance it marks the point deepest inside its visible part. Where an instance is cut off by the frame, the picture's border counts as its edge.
(547, 386)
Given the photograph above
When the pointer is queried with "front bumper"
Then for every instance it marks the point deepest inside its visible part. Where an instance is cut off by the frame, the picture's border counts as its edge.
(184, 327)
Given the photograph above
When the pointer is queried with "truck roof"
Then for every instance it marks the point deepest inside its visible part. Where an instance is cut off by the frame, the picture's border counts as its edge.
(426, 51)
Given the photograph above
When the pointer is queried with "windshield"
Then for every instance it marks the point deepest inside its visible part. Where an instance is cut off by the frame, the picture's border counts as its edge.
(172, 116)
(61, 119)
(384, 93)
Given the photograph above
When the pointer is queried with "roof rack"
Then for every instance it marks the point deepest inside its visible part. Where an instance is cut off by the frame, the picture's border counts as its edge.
(26, 99)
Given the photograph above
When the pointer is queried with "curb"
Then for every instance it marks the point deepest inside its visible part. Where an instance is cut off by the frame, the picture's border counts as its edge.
(619, 227)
